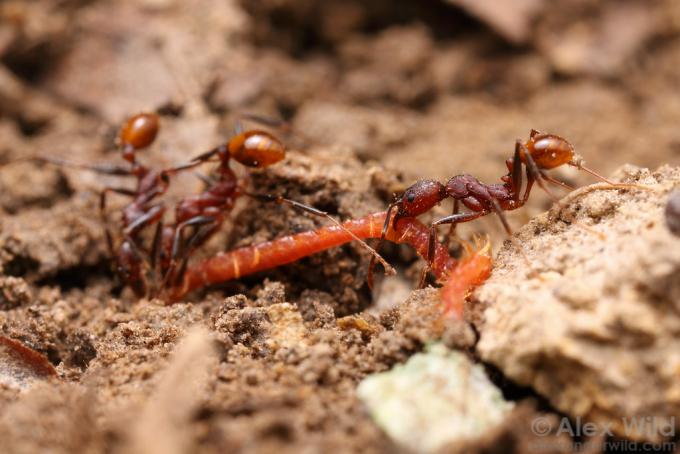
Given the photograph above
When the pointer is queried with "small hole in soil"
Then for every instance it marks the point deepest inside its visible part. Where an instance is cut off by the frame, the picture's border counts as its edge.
(20, 266)
(31, 128)
(77, 277)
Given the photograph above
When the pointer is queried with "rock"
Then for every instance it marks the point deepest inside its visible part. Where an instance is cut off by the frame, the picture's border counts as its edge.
(593, 325)
(436, 398)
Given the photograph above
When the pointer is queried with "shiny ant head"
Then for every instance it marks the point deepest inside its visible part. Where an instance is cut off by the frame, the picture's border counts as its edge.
(256, 149)
(548, 150)
(420, 197)
(138, 132)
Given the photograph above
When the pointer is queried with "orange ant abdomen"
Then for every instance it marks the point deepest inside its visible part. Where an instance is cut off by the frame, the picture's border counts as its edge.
(139, 131)
(256, 149)
(548, 151)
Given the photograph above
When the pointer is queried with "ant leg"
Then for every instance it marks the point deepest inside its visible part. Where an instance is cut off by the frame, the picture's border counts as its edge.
(386, 226)
(432, 237)
(179, 245)
(197, 238)
(537, 176)
(104, 217)
(552, 180)
(130, 232)
(207, 180)
(152, 216)
(452, 227)
(189, 165)
(179, 232)
(316, 212)
(156, 247)
(516, 171)
(129, 261)
(106, 169)
(204, 157)
(499, 212)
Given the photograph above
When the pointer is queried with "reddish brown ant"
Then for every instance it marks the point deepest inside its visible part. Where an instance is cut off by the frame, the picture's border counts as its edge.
(137, 133)
(540, 153)
(205, 212)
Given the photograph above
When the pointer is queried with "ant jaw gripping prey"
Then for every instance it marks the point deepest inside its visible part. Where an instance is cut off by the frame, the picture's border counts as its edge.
(533, 158)
(270, 254)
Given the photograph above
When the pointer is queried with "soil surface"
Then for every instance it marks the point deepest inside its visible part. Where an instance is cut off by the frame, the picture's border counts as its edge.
(582, 323)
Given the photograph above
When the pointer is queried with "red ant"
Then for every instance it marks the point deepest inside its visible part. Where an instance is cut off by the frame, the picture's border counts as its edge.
(205, 212)
(458, 277)
(136, 134)
(538, 154)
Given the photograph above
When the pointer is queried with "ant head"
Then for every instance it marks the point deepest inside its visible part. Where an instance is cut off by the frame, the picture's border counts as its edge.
(139, 131)
(420, 197)
(548, 150)
(256, 149)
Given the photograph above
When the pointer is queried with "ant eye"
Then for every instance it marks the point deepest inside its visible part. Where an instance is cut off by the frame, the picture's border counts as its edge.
(410, 197)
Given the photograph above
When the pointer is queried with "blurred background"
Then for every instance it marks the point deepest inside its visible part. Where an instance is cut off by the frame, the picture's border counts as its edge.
(429, 88)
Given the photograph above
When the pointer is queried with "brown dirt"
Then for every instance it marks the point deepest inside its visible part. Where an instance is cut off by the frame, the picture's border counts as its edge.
(378, 94)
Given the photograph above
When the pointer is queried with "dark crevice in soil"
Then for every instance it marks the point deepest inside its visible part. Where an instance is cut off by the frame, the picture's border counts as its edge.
(31, 127)
(300, 28)
(20, 265)
(78, 277)
(513, 391)
(34, 63)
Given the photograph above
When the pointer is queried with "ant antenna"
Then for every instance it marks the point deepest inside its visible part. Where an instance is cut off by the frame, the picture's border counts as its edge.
(108, 169)
(540, 176)
(389, 270)
(578, 161)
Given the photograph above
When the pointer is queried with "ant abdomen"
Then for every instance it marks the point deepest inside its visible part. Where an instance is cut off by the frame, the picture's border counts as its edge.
(139, 131)
(549, 150)
(256, 149)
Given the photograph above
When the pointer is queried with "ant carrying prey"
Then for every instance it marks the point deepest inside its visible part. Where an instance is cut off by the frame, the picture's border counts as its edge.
(143, 210)
(539, 153)
(204, 213)
(159, 267)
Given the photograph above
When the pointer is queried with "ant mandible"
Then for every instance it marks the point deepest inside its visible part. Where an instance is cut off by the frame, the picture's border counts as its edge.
(539, 153)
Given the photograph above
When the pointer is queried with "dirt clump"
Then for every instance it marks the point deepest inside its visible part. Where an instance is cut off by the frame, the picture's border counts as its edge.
(592, 332)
